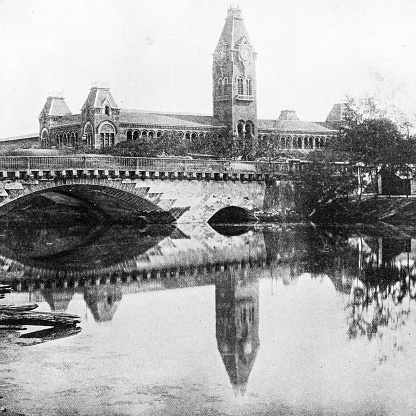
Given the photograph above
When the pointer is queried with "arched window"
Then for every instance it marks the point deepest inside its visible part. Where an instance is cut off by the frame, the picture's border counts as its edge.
(240, 90)
(151, 134)
(225, 85)
(193, 137)
(249, 130)
(220, 86)
(144, 133)
(159, 134)
(299, 142)
(129, 135)
(44, 137)
(88, 134)
(240, 128)
(136, 135)
(188, 136)
(295, 143)
(107, 110)
(249, 86)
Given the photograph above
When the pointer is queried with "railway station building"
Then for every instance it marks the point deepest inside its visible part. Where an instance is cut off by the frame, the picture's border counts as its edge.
(101, 122)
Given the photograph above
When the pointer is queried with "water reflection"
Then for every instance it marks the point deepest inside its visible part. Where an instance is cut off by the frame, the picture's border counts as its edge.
(237, 324)
(367, 278)
(103, 301)
(384, 290)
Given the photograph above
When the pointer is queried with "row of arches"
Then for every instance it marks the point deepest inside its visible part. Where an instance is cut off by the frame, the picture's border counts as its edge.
(245, 128)
(223, 86)
(190, 136)
(293, 142)
(70, 139)
(74, 139)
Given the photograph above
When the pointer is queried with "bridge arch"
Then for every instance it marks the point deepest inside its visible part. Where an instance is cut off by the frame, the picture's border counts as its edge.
(112, 200)
(232, 215)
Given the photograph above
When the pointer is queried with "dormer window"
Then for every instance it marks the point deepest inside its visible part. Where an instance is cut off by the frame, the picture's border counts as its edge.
(107, 110)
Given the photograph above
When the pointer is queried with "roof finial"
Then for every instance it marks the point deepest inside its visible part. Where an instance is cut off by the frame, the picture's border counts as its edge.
(234, 12)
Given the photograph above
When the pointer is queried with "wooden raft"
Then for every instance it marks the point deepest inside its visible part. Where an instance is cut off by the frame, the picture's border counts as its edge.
(18, 315)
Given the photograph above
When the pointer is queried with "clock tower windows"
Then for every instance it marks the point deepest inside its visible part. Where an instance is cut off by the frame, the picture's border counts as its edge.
(240, 89)
(249, 86)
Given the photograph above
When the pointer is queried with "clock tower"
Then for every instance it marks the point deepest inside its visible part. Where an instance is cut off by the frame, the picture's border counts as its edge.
(234, 78)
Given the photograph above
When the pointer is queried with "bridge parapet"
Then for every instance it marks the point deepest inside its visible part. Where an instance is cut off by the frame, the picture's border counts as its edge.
(18, 167)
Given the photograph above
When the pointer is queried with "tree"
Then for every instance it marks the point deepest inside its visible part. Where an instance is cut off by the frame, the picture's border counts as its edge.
(324, 186)
(373, 142)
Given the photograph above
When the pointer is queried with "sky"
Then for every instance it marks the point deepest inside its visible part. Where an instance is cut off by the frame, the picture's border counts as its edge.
(157, 54)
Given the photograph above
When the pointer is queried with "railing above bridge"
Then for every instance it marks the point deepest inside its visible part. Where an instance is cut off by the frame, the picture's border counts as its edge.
(128, 164)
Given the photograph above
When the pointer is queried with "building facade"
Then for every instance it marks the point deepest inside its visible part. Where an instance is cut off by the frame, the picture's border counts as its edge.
(102, 123)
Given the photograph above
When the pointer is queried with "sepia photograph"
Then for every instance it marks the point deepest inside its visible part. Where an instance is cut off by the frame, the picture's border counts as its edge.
(208, 207)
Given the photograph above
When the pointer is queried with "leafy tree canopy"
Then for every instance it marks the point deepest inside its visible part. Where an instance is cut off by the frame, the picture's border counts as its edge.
(369, 137)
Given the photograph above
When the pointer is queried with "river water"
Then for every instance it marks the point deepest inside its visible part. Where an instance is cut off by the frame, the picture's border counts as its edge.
(191, 320)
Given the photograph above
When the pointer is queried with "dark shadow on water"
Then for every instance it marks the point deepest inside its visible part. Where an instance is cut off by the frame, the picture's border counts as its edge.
(231, 230)
(50, 334)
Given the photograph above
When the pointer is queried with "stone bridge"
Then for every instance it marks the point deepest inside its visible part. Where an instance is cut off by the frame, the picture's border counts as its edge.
(155, 190)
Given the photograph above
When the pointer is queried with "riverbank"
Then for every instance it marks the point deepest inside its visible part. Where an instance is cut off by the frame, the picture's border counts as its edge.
(368, 210)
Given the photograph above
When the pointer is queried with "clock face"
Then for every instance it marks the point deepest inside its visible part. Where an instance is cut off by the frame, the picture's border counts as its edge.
(244, 54)
(221, 53)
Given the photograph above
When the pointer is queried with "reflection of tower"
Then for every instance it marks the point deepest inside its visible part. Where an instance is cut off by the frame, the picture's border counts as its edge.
(237, 324)
(103, 301)
(57, 299)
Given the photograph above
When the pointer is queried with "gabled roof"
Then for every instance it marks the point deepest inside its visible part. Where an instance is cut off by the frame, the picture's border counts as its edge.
(55, 106)
(98, 97)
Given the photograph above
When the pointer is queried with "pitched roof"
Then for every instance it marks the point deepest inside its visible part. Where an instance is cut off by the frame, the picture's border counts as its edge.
(196, 118)
(293, 126)
(149, 118)
(55, 106)
(97, 98)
